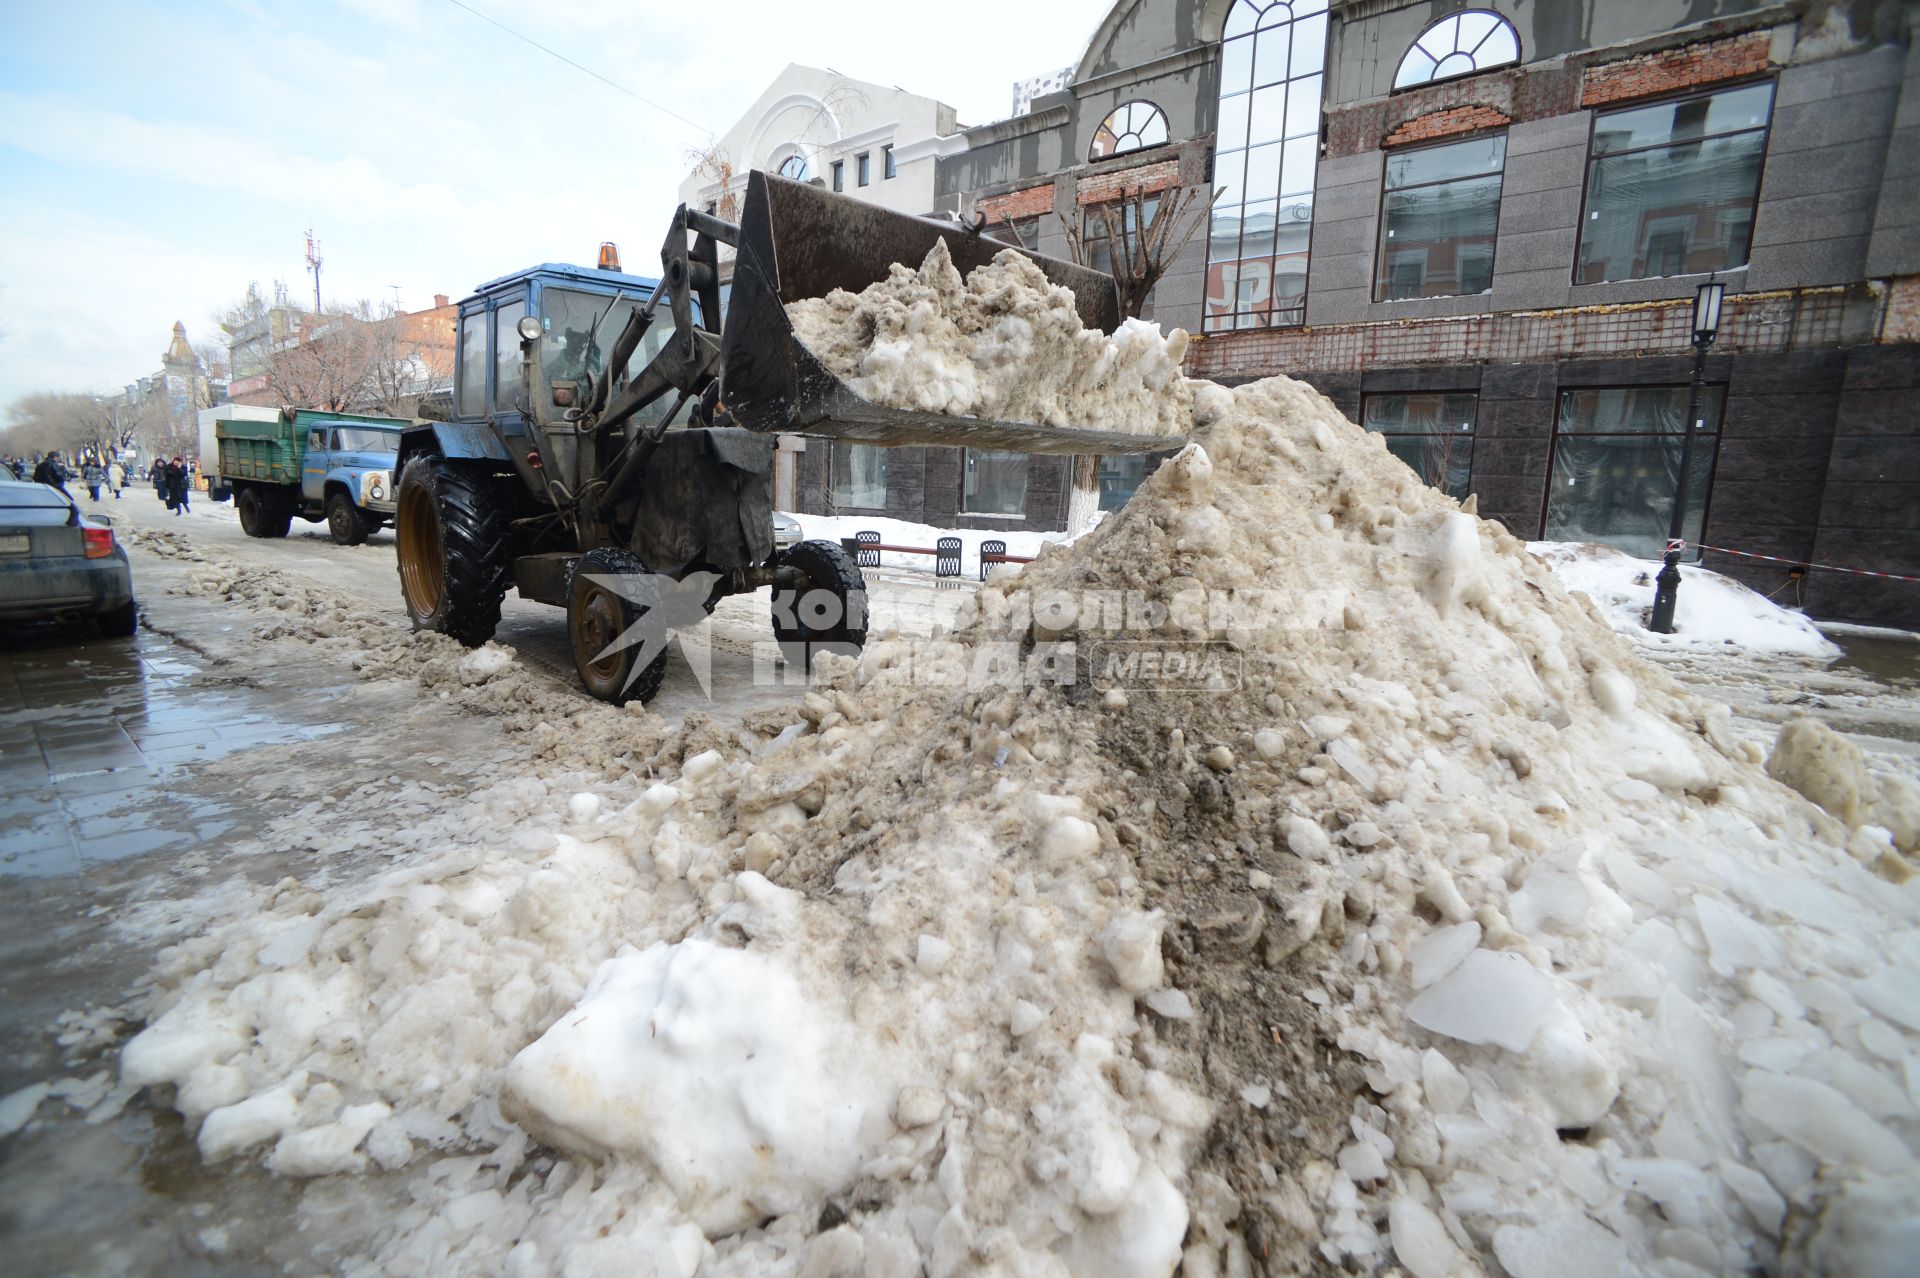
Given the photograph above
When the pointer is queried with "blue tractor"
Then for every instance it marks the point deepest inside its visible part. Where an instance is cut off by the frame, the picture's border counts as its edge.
(610, 435)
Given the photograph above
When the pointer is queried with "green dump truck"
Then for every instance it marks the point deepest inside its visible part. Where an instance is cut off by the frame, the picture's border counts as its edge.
(314, 464)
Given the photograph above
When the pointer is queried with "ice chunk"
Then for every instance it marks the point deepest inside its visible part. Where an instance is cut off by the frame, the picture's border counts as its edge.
(254, 1121)
(701, 766)
(1025, 1018)
(1491, 997)
(1549, 894)
(749, 1094)
(1362, 1162)
(1131, 945)
(1420, 1241)
(1446, 1087)
(1613, 692)
(175, 1045)
(584, 806)
(1735, 941)
(482, 664)
(1567, 1246)
(329, 1148)
(1352, 762)
(1894, 992)
(1762, 1201)
(1269, 744)
(1440, 951)
(1306, 839)
(18, 1107)
(1822, 1121)
(931, 953)
(1171, 1003)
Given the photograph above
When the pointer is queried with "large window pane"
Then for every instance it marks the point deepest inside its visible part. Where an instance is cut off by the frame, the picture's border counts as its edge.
(995, 483)
(860, 476)
(1119, 477)
(1727, 112)
(1437, 227)
(1256, 262)
(1616, 467)
(507, 382)
(1670, 191)
(473, 365)
(1437, 241)
(1431, 431)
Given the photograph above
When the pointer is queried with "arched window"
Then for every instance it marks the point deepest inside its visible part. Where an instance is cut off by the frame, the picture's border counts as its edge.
(794, 167)
(1131, 126)
(1470, 41)
(1266, 147)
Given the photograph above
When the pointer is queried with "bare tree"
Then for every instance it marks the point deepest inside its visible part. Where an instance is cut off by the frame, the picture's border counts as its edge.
(713, 164)
(72, 422)
(1141, 242)
(365, 356)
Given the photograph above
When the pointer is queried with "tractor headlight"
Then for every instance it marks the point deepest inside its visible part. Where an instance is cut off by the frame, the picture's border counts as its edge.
(529, 328)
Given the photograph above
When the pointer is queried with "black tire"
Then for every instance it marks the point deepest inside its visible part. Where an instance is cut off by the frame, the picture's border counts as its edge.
(345, 523)
(451, 541)
(121, 622)
(806, 624)
(598, 615)
(262, 518)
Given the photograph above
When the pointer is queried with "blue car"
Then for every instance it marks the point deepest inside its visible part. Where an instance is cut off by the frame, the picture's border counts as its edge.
(57, 564)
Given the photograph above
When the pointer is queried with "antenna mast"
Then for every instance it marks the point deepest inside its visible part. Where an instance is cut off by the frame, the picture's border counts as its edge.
(313, 267)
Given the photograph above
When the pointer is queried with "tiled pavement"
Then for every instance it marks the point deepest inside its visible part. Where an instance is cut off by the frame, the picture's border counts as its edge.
(94, 734)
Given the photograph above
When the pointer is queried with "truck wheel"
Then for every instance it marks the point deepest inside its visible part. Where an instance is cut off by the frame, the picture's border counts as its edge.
(602, 607)
(344, 520)
(259, 518)
(450, 534)
(827, 610)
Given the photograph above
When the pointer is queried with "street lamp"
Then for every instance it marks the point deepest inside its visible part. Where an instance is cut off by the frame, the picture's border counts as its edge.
(1706, 326)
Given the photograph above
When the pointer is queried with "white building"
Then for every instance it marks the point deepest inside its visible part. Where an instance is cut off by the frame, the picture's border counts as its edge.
(874, 142)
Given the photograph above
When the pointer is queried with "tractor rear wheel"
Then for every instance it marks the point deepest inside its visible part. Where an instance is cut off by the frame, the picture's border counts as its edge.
(450, 534)
(607, 593)
(345, 523)
(827, 610)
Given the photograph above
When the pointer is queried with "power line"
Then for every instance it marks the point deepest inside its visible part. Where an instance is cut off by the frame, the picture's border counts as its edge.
(576, 66)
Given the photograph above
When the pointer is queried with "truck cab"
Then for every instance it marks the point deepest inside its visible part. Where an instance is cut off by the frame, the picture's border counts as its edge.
(347, 474)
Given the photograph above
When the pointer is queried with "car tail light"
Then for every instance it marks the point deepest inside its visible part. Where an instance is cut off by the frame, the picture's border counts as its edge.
(99, 542)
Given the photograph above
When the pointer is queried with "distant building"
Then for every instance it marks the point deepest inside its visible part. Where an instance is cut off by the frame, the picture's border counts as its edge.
(872, 142)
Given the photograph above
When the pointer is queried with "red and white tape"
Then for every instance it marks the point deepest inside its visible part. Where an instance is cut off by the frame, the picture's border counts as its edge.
(1776, 559)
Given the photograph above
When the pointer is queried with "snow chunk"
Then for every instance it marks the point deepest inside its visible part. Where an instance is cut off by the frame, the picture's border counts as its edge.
(1567, 1247)
(1171, 1003)
(584, 806)
(931, 953)
(483, 664)
(1069, 839)
(701, 766)
(1489, 998)
(1131, 945)
(1140, 1240)
(719, 1067)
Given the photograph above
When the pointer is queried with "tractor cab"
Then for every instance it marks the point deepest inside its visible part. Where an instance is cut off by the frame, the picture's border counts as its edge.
(530, 345)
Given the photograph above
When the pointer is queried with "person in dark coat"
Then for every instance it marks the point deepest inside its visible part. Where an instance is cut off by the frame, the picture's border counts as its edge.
(53, 472)
(177, 486)
(93, 474)
(158, 478)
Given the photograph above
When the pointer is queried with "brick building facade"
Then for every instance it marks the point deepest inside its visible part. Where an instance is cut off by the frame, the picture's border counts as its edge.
(1479, 229)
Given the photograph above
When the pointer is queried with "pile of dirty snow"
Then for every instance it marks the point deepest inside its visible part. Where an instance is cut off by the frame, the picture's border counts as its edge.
(1003, 344)
(1711, 611)
(1395, 913)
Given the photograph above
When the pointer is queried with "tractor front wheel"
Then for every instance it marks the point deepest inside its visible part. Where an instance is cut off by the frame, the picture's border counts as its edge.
(450, 534)
(825, 610)
(608, 593)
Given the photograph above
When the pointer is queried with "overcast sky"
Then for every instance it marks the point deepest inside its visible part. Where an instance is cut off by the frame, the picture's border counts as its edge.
(154, 159)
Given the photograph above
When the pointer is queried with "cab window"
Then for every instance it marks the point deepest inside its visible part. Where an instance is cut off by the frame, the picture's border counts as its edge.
(316, 440)
(581, 329)
(473, 365)
(507, 387)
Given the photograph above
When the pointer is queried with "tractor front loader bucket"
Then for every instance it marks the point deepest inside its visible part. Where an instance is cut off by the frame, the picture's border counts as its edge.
(799, 241)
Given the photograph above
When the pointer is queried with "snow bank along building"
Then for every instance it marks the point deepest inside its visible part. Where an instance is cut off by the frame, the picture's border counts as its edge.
(1479, 229)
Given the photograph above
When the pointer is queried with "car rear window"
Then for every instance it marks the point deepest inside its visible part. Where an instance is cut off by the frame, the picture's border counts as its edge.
(35, 496)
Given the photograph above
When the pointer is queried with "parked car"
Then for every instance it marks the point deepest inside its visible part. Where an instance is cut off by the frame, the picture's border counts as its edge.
(786, 531)
(57, 564)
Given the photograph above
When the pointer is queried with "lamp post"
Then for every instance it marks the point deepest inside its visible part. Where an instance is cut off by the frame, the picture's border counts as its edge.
(1706, 326)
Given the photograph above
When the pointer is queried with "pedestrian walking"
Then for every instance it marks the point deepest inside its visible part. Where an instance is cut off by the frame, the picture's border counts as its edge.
(177, 486)
(116, 478)
(93, 475)
(53, 472)
(158, 478)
